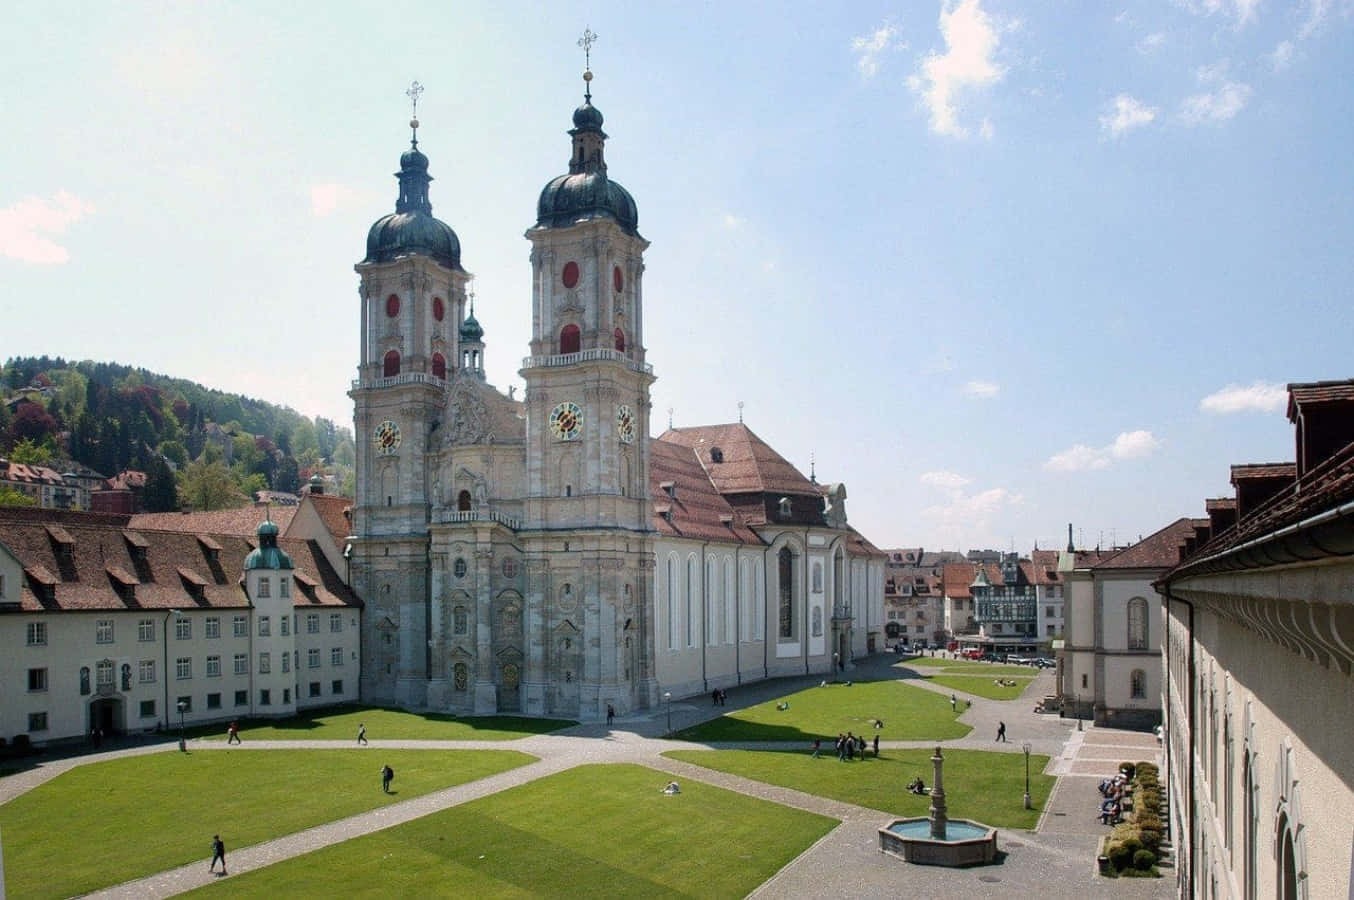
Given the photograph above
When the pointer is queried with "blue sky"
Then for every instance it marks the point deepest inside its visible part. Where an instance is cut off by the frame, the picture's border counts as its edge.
(997, 266)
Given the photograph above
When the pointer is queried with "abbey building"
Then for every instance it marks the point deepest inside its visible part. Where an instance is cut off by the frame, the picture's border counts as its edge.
(544, 555)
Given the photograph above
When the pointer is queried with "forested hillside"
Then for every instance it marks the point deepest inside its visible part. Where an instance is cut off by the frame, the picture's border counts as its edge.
(199, 446)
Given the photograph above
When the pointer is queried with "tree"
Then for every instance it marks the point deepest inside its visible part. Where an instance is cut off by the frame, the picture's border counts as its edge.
(160, 494)
(208, 485)
(175, 452)
(10, 497)
(31, 421)
(287, 478)
(31, 454)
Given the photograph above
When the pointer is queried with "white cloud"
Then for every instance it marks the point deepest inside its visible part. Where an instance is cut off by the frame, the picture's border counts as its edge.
(869, 48)
(27, 227)
(972, 511)
(1261, 396)
(1151, 43)
(731, 221)
(967, 63)
(1316, 17)
(1081, 458)
(982, 389)
(1282, 57)
(1124, 113)
(950, 481)
(1242, 12)
(1215, 106)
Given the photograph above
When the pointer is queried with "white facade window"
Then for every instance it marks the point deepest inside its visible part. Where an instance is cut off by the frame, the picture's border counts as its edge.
(286, 661)
(103, 674)
(37, 634)
(265, 588)
(103, 631)
(183, 629)
(240, 624)
(213, 626)
(145, 671)
(213, 667)
(265, 626)
(37, 721)
(312, 623)
(1138, 684)
(145, 630)
(336, 656)
(183, 668)
(335, 622)
(313, 657)
(283, 586)
(242, 664)
(265, 663)
(1137, 624)
(37, 680)
(285, 622)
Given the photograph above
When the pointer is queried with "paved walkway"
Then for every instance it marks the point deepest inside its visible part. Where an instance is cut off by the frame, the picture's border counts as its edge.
(1055, 860)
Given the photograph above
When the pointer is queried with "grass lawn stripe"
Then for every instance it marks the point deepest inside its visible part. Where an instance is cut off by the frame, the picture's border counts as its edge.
(982, 686)
(986, 786)
(967, 667)
(339, 723)
(909, 713)
(596, 830)
(110, 822)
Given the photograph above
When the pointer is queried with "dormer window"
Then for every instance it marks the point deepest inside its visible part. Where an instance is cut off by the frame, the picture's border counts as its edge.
(786, 508)
(716, 455)
(669, 488)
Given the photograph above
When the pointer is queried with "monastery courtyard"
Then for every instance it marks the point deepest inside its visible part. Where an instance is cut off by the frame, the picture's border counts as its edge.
(1056, 859)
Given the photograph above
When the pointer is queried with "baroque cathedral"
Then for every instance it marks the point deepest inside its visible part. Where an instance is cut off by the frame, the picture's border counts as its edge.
(545, 556)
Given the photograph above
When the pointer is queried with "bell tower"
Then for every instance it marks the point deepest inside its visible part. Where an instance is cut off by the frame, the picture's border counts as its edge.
(586, 513)
(413, 300)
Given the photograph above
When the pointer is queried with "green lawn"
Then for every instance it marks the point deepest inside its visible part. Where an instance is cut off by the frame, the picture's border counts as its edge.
(339, 723)
(909, 713)
(981, 785)
(106, 823)
(594, 831)
(982, 685)
(926, 664)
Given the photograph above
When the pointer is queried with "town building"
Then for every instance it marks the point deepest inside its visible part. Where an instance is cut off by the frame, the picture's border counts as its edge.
(1259, 671)
(109, 626)
(913, 597)
(544, 555)
(48, 488)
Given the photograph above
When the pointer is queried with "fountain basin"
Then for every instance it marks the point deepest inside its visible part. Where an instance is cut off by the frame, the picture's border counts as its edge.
(965, 843)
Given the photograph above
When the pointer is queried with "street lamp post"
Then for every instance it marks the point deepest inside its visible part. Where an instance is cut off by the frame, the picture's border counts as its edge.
(1026, 748)
(165, 673)
(835, 664)
(183, 745)
(1078, 712)
(667, 695)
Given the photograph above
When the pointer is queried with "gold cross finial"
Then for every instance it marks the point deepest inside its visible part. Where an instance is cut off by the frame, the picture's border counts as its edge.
(586, 42)
(415, 91)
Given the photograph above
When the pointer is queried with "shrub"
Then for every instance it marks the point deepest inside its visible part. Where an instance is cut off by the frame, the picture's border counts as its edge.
(1149, 768)
(1144, 860)
(1128, 769)
(1118, 856)
(1151, 839)
(1131, 872)
(1133, 844)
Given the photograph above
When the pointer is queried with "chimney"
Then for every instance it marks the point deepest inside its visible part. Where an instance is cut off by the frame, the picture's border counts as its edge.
(1071, 548)
(1323, 413)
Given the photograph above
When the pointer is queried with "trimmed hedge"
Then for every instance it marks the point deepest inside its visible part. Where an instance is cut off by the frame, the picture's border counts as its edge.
(1131, 847)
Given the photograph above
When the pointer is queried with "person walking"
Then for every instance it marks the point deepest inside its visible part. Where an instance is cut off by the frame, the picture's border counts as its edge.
(817, 745)
(954, 702)
(362, 733)
(610, 714)
(218, 852)
(1001, 732)
(876, 746)
(387, 775)
(233, 733)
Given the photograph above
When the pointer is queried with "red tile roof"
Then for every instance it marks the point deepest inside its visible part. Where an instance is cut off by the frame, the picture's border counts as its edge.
(1301, 394)
(333, 511)
(749, 464)
(1160, 550)
(23, 473)
(693, 508)
(1264, 470)
(242, 521)
(1216, 503)
(102, 559)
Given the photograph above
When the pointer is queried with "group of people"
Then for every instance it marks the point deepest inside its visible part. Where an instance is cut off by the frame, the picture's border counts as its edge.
(849, 746)
(718, 697)
(1112, 799)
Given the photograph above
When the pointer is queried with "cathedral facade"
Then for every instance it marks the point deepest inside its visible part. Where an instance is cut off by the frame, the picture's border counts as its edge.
(545, 556)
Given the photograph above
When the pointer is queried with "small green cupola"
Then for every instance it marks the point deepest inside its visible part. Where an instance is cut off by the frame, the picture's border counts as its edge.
(268, 555)
(472, 343)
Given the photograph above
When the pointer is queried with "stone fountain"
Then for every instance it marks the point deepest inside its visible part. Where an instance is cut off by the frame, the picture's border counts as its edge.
(938, 840)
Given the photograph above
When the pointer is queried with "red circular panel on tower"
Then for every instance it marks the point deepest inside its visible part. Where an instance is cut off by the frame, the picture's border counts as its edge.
(617, 279)
(570, 274)
(392, 306)
(439, 308)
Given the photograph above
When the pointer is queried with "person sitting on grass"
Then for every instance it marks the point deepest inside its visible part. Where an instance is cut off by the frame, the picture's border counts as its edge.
(672, 788)
(916, 786)
(783, 705)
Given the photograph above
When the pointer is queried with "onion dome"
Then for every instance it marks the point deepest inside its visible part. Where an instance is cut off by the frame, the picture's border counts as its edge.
(586, 192)
(411, 228)
(471, 332)
(267, 555)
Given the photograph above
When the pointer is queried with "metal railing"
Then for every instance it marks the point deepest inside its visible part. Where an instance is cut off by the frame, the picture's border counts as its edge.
(456, 516)
(402, 378)
(592, 355)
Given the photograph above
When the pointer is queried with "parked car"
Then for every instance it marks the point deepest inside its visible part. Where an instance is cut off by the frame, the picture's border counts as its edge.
(1045, 662)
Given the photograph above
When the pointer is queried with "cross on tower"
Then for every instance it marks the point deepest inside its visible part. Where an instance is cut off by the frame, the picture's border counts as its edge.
(586, 42)
(415, 91)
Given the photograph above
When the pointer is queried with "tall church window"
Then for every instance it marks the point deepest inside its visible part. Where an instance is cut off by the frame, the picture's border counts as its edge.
(392, 363)
(439, 366)
(1138, 684)
(730, 623)
(570, 339)
(620, 339)
(1137, 624)
(392, 306)
(463, 501)
(711, 606)
(692, 583)
(672, 603)
(785, 585)
(1288, 867)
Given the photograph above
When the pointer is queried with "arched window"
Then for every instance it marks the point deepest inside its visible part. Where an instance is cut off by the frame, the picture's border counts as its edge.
(570, 339)
(392, 306)
(817, 577)
(126, 677)
(672, 603)
(785, 571)
(439, 366)
(84, 680)
(1288, 866)
(1251, 824)
(692, 582)
(1137, 624)
(1138, 684)
(620, 339)
(392, 363)
(892, 629)
(459, 567)
(727, 601)
(712, 628)
(463, 501)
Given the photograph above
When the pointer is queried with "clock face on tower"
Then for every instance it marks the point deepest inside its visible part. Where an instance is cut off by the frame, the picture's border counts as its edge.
(566, 421)
(387, 437)
(625, 424)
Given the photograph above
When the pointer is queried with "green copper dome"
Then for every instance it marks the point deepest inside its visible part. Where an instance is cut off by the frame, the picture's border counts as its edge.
(411, 228)
(471, 332)
(267, 555)
(586, 192)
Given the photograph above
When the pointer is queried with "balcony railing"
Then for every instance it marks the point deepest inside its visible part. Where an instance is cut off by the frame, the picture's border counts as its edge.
(592, 355)
(402, 378)
(457, 516)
